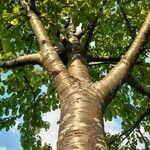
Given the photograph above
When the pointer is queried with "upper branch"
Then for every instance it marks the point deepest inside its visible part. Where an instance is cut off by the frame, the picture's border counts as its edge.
(50, 58)
(117, 75)
(89, 34)
(125, 18)
(109, 60)
(21, 61)
(130, 80)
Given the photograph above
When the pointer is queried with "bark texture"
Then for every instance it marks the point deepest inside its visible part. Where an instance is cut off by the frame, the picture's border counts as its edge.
(81, 124)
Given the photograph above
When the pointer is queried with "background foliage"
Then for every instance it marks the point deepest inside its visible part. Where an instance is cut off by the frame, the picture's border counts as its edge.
(27, 92)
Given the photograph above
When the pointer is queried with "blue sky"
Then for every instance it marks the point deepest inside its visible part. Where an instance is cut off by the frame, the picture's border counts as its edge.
(10, 140)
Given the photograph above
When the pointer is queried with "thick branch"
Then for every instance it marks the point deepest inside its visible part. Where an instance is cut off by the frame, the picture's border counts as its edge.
(126, 133)
(21, 61)
(50, 59)
(117, 75)
(130, 79)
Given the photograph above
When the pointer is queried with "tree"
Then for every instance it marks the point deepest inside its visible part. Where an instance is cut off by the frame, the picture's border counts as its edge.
(99, 72)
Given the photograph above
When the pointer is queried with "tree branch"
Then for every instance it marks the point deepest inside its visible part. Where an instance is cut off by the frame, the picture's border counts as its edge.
(126, 133)
(21, 61)
(130, 80)
(50, 59)
(89, 33)
(126, 19)
(109, 60)
(143, 138)
(117, 75)
(137, 86)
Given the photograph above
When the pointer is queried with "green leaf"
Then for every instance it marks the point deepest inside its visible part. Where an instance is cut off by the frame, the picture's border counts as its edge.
(2, 90)
(14, 22)
(6, 111)
(16, 9)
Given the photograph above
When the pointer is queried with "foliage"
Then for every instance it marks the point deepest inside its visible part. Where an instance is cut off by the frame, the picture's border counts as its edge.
(21, 90)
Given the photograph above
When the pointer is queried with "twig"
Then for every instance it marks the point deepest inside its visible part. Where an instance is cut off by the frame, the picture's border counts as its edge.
(138, 86)
(126, 19)
(144, 140)
(126, 133)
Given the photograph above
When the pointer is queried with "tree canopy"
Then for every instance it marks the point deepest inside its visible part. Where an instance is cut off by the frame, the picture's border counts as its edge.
(26, 92)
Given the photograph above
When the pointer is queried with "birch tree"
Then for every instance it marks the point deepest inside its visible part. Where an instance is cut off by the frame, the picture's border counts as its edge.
(93, 74)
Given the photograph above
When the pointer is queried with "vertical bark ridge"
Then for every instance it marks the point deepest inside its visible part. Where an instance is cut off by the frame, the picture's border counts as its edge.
(79, 70)
(109, 84)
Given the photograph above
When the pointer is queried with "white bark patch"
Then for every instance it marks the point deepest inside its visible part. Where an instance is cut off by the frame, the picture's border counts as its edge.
(66, 116)
(98, 122)
(100, 146)
(102, 137)
(73, 127)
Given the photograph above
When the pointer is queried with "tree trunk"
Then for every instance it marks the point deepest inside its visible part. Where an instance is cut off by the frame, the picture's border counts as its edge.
(81, 122)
